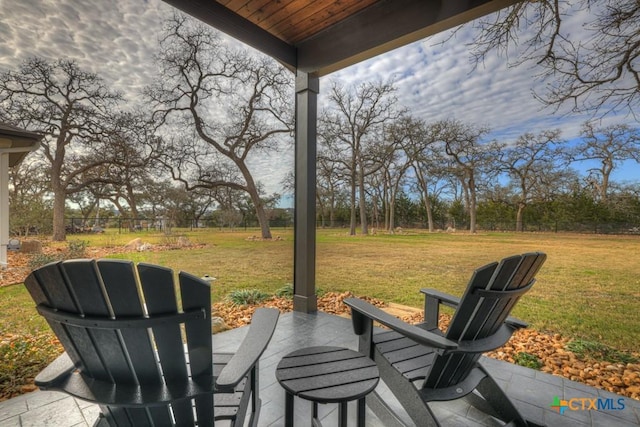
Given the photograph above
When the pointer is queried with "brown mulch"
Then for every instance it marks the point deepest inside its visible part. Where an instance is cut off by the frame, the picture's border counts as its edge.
(550, 349)
(18, 262)
(17, 269)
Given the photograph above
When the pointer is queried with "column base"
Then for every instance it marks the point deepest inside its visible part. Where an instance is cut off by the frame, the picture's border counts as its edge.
(305, 304)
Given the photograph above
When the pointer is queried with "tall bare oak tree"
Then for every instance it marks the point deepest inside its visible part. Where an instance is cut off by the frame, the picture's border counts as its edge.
(351, 129)
(217, 107)
(71, 107)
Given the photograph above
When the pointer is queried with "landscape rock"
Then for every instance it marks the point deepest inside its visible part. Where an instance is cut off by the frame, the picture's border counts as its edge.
(183, 242)
(218, 325)
(31, 246)
(145, 247)
(133, 245)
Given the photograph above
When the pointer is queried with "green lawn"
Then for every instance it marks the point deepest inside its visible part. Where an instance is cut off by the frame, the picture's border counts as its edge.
(589, 287)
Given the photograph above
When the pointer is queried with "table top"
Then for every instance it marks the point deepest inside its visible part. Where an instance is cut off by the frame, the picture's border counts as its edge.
(327, 374)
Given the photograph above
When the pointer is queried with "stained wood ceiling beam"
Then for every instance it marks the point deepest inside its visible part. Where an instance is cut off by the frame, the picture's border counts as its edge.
(385, 26)
(374, 30)
(218, 16)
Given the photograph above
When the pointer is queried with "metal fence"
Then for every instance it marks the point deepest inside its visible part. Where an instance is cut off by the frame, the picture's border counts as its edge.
(132, 225)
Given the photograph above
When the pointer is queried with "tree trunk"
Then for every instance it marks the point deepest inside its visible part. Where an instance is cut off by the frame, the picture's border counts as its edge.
(363, 206)
(519, 214)
(427, 207)
(332, 210)
(604, 189)
(385, 197)
(263, 220)
(425, 196)
(352, 225)
(59, 197)
(252, 189)
(322, 210)
(375, 221)
(472, 205)
(131, 199)
(260, 213)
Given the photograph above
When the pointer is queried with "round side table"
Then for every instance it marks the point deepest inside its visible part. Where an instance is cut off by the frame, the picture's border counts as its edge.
(327, 375)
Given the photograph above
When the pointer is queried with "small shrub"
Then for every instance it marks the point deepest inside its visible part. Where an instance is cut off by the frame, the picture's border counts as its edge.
(596, 350)
(528, 360)
(40, 259)
(247, 296)
(22, 357)
(287, 291)
(77, 248)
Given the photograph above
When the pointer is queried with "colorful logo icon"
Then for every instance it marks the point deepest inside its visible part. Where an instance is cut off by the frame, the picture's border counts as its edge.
(587, 404)
(559, 405)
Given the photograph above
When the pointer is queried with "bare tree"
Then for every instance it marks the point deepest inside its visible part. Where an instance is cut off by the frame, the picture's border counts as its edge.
(598, 73)
(156, 193)
(330, 186)
(228, 201)
(29, 208)
(121, 180)
(351, 129)
(404, 136)
(70, 107)
(427, 160)
(221, 106)
(471, 159)
(609, 146)
(532, 165)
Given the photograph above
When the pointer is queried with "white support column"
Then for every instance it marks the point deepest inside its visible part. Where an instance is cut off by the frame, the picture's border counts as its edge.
(4, 208)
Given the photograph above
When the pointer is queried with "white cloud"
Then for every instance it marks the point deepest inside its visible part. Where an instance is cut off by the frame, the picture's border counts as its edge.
(434, 77)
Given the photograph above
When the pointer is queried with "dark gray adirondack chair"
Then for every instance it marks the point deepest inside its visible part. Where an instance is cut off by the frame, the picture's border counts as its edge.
(420, 364)
(132, 350)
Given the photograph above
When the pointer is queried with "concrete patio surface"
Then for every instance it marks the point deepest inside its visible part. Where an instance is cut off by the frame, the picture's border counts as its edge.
(533, 392)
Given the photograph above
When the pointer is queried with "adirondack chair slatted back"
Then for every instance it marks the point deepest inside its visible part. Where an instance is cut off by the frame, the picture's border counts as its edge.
(491, 294)
(111, 289)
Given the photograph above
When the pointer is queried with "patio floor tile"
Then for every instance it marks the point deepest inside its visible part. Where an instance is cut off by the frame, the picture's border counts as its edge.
(532, 391)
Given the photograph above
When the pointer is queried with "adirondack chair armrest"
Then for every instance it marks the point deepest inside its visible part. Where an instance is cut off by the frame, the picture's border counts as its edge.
(516, 323)
(55, 372)
(361, 310)
(263, 324)
(441, 297)
(482, 345)
(432, 300)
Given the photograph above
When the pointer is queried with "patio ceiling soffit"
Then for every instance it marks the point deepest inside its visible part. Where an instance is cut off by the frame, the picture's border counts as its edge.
(17, 142)
(322, 36)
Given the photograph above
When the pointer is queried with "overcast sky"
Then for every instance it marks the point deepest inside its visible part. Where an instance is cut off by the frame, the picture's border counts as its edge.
(116, 39)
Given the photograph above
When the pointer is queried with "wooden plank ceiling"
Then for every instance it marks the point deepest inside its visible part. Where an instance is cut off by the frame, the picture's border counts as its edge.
(295, 20)
(322, 36)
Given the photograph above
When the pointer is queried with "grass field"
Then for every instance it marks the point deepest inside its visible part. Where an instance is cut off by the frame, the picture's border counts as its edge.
(589, 287)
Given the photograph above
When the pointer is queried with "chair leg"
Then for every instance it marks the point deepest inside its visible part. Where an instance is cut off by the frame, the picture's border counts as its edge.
(417, 409)
(101, 421)
(385, 414)
(256, 402)
(498, 401)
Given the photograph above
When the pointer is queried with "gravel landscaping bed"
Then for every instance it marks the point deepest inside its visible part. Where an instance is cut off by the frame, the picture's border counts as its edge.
(21, 357)
(546, 352)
